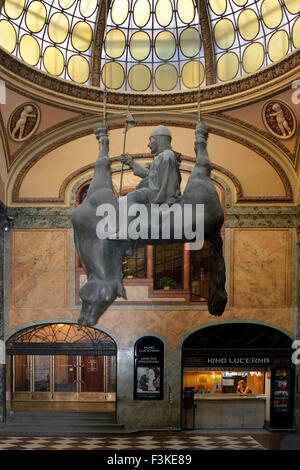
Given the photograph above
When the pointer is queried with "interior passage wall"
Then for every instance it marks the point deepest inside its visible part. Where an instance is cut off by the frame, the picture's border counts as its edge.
(258, 271)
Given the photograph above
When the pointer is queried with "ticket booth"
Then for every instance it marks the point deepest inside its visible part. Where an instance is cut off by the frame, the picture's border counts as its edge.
(241, 376)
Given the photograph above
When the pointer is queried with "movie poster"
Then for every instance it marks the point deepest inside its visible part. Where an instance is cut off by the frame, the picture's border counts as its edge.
(148, 369)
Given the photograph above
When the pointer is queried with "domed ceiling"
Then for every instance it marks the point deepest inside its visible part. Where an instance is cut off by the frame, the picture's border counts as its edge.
(150, 45)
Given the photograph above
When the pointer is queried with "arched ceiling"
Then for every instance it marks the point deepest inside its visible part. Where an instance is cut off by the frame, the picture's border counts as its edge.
(150, 45)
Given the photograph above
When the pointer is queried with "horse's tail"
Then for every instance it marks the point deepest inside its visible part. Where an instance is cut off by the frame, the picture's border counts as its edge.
(217, 298)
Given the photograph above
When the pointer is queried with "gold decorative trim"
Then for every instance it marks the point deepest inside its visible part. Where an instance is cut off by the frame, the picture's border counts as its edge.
(24, 78)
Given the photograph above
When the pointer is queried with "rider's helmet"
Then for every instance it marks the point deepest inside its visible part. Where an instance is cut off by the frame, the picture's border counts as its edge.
(161, 131)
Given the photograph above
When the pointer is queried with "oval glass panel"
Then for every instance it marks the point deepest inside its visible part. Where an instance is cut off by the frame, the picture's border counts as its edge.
(139, 45)
(119, 11)
(227, 66)
(253, 57)
(115, 43)
(271, 13)
(14, 8)
(113, 75)
(192, 74)
(224, 33)
(53, 60)
(8, 36)
(278, 45)
(65, 4)
(248, 24)
(166, 77)
(78, 69)
(141, 13)
(164, 12)
(218, 6)
(36, 16)
(240, 3)
(58, 28)
(165, 45)
(295, 33)
(293, 6)
(82, 36)
(29, 49)
(139, 77)
(186, 10)
(190, 42)
(87, 7)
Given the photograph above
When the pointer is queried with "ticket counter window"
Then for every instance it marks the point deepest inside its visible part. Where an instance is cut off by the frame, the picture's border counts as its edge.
(227, 398)
(221, 382)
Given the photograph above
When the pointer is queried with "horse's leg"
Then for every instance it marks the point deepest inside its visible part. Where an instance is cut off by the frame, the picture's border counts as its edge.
(217, 299)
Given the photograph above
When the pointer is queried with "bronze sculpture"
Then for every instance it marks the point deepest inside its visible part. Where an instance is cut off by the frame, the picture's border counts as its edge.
(101, 259)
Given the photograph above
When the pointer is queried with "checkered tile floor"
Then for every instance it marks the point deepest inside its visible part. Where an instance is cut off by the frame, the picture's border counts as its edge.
(147, 442)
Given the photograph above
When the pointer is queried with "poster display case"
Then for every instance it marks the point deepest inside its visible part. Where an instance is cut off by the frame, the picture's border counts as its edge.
(148, 369)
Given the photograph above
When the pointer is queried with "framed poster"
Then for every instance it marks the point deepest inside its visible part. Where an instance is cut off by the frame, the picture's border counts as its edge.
(148, 368)
(281, 390)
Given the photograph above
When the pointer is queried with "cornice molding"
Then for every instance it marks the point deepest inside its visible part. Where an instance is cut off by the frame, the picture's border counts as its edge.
(31, 82)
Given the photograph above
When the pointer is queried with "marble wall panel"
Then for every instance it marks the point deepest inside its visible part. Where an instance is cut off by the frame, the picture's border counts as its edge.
(261, 263)
(39, 271)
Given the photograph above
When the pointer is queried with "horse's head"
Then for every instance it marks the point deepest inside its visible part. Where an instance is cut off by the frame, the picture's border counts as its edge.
(97, 296)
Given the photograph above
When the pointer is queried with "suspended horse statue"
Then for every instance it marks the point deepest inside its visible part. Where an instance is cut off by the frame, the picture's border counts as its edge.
(101, 252)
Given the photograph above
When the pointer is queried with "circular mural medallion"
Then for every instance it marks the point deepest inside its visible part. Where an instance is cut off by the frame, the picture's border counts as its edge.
(279, 119)
(23, 122)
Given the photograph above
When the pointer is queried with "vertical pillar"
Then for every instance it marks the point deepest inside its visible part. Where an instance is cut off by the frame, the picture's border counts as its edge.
(186, 268)
(150, 262)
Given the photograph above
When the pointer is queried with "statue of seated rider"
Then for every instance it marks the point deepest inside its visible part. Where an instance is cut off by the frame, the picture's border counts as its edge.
(161, 181)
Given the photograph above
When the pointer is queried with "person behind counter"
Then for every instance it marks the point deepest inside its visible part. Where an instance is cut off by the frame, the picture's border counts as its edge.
(242, 388)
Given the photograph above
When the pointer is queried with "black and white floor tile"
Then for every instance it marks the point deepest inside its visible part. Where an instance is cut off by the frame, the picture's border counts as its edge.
(136, 442)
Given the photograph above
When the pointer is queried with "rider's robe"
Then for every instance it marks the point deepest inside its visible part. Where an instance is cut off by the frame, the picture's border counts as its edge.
(161, 182)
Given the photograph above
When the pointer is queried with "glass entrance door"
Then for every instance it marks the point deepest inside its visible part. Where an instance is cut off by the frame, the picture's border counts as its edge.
(63, 378)
(66, 383)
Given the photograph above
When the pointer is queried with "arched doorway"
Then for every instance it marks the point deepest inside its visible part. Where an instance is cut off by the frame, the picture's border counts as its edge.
(238, 375)
(57, 367)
